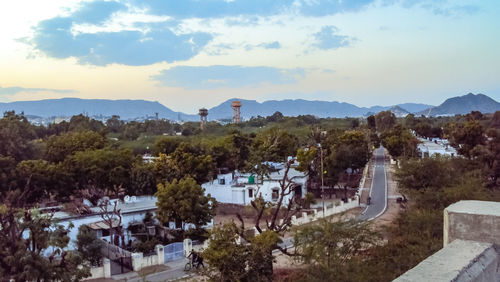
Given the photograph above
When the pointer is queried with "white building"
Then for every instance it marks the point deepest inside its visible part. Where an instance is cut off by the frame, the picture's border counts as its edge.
(245, 187)
(436, 146)
(131, 211)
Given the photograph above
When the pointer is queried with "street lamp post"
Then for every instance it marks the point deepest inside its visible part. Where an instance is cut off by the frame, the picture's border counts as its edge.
(322, 182)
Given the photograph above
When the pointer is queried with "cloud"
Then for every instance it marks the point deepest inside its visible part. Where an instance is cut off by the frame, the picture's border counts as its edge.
(144, 44)
(97, 11)
(215, 8)
(266, 45)
(54, 38)
(271, 45)
(330, 7)
(93, 34)
(211, 77)
(15, 89)
(437, 7)
(327, 39)
(224, 8)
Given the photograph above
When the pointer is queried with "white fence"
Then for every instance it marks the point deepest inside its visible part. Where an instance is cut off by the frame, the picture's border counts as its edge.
(329, 211)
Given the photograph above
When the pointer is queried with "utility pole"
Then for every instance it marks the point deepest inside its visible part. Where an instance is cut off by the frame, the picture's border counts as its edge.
(322, 182)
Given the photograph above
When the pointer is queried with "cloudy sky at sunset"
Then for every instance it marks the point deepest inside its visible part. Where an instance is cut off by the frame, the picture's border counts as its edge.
(189, 54)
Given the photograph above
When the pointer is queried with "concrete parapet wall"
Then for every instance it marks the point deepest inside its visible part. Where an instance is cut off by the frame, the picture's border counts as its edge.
(139, 261)
(103, 271)
(342, 207)
(472, 220)
(459, 261)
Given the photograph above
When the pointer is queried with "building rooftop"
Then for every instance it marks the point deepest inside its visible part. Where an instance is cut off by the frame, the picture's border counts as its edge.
(475, 207)
(142, 203)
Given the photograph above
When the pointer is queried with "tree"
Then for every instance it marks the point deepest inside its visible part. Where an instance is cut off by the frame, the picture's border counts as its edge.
(105, 168)
(57, 148)
(434, 171)
(370, 120)
(16, 134)
(143, 179)
(489, 157)
(276, 117)
(184, 201)
(275, 144)
(385, 120)
(185, 161)
(227, 260)
(348, 154)
(33, 247)
(327, 246)
(8, 175)
(230, 260)
(399, 142)
(276, 215)
(83, 123)
(113, 219)
(231, 151)
(114, 124)
(166, 145)
(89, 246)
(464, 137)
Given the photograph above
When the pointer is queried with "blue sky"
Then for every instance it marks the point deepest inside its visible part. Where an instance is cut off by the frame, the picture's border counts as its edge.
(190, 54)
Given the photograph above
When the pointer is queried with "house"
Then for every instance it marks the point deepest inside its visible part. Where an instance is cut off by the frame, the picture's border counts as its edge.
(133, 210)
(436, 146)
(243, 187)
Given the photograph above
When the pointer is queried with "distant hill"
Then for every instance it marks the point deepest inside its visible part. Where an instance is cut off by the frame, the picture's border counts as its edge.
(414, 107)
(463, 105)
(398, 111)
(252, 108)
(140, 109)
(126, 109)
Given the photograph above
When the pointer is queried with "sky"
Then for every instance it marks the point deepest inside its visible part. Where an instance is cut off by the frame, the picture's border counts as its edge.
(188, 54)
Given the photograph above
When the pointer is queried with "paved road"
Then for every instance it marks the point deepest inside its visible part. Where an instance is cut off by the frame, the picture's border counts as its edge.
(378, 191)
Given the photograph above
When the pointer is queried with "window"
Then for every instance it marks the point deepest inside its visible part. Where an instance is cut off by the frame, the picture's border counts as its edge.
(105, 232)
(275, 194)
(250, 193)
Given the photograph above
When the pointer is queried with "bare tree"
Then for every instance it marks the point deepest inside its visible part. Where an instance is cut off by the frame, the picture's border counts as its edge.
(276, 215)
(113, 218)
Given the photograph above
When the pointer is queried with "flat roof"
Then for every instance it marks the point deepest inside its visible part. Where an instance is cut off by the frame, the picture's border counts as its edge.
(103, 224)
(449, 263)
(143, 203)
(475, 207)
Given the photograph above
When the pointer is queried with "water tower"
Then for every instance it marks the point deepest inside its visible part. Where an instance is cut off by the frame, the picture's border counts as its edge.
(203, 117)
(236, 105)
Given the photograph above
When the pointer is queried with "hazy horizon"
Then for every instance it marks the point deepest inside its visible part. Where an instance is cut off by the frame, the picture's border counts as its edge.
(191, 54)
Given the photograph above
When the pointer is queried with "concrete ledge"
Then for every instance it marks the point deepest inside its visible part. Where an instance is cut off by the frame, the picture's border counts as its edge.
(459, 261)
(472, 220)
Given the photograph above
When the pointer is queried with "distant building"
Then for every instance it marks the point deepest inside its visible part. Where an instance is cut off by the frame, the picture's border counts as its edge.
(246, 187)
(436, 146)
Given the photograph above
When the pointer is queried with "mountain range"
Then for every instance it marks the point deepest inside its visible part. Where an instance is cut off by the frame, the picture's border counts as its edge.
(463, 105)
(141, 109)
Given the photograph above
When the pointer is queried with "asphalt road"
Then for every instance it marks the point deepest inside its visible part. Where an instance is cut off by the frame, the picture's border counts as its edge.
(378, 191)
